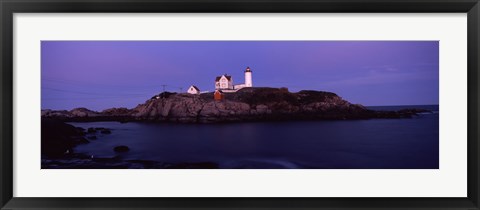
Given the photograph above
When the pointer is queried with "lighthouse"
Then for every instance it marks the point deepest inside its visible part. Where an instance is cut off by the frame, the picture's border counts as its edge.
(248, 77)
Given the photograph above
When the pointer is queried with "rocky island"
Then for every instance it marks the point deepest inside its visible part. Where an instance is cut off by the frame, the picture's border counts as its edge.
(247, 104)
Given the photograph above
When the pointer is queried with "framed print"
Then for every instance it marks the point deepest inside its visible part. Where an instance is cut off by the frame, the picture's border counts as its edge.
(239, 105)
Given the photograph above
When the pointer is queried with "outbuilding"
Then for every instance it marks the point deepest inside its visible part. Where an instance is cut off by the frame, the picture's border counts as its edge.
(193, 90)
(218, 95)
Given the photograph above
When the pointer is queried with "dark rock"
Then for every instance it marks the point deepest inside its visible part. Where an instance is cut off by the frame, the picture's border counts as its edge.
(121, 149)
(166, 94)
(83, 112)
(80, 129)
(92, 137)
(57, 137)
(48, 113)
(162, 95)
(117, 112)
(79, 140)
(91, 130)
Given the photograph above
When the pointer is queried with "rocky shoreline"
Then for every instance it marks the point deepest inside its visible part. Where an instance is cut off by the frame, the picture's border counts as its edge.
(248, 104)
(59, 139)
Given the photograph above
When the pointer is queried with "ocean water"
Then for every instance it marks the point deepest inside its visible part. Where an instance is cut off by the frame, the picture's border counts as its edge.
(341, 144)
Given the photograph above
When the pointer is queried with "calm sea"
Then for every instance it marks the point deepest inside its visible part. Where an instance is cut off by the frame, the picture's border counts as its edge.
(348, 144)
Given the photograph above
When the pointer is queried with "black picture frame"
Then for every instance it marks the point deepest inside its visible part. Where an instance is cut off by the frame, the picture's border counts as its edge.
(9, 7)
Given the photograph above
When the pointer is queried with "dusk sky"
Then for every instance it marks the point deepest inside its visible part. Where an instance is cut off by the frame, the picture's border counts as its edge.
(102, 74)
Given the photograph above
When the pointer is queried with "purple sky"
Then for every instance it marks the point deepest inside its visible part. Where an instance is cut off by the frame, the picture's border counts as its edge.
(104, 74)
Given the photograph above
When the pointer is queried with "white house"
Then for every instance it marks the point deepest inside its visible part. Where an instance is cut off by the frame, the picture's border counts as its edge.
(224, 82)
(193, 90)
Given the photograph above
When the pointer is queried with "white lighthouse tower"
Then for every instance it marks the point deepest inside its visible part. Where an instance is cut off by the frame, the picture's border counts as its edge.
(248, 77)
